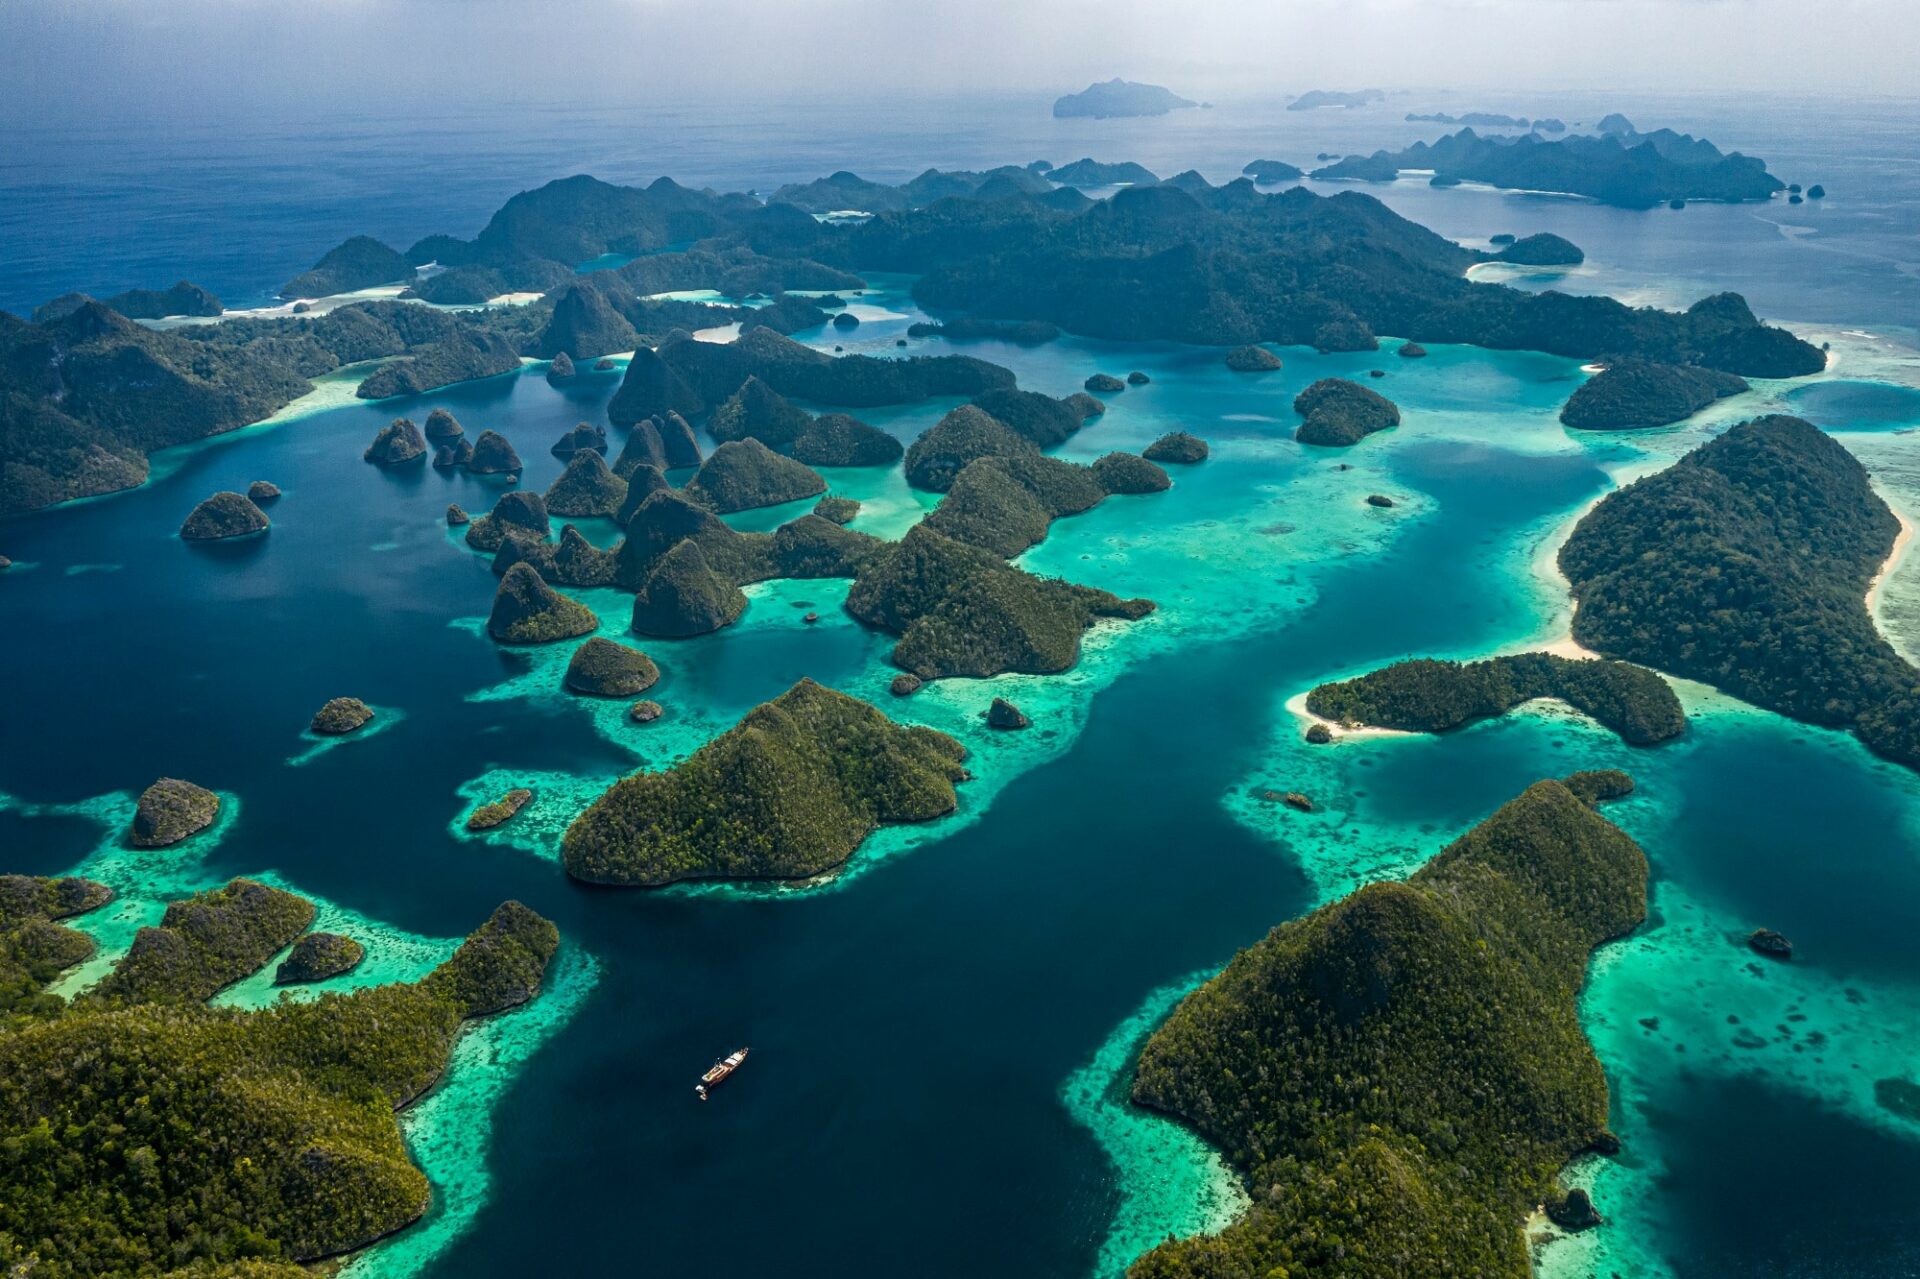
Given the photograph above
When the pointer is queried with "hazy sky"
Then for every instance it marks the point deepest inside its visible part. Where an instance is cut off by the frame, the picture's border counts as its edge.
(209, 57)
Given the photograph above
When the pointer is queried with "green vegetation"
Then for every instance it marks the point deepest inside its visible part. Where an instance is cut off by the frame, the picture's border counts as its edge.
(1100, 173)
(34, 948)
(683, 596)
(1635, 394)
(1130, 473)
(459, 358)
(961, 610)
(686, 376)
(789, 792)
(583, 436)
(221, 516)
(573, 562)
(487, 816)
(528, 611)
(493, 455)
(318, 956)
(1427, 696)
(1339, 413)
(1400, 1074)
(839, 510)
(757, 411)
(207, 942)
(813, 546)
(966, 434)
(1270, 171)
(838, 439)
(583, 325)
(398, 441)
(1541, 249)
(152, 1137)
(603, 668)
(1226, 267)
(341, 715)
(741, 475)
(1176, 446)
(184, 298)
(169, 811)
(360, 263)
(1006, 504)
(1746, 565)
(587, 488)
(519, 514)
(1041, 419)
(1252, 359)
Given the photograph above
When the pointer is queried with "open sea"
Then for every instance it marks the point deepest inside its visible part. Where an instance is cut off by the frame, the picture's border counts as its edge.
(942, 1033)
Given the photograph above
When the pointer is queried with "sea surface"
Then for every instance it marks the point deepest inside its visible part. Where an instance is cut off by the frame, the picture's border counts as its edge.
(942, 1033)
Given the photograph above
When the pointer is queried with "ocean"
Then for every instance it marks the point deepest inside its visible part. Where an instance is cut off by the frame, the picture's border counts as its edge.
(942, 1033)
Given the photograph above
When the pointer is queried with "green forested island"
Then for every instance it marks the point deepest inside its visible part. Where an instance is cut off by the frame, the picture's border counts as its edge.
(789, 792)
(1635, 394)
(1400, 1075)
(1746, 565)
(1185, 261)
(147, 1133)
(1422, 695)
(1339, 412)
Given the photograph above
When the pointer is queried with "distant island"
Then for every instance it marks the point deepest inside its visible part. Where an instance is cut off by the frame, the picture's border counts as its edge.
(1746, 565)
(1117, 98)
(1400, 1075)
(1009, 252)
(1314, 99)
(1473, 119)
(1619, 166)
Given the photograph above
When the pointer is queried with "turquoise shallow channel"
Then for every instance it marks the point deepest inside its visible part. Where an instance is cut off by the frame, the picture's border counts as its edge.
(943, 1030)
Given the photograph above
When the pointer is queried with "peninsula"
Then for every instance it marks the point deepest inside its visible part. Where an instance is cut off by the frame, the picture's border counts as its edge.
(1745, 565)
(1400, 1075)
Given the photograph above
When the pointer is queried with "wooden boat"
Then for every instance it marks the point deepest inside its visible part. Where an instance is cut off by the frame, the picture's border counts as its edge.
(721, 1069)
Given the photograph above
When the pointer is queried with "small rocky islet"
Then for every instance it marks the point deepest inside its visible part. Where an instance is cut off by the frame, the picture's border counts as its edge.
(318, 956)
(222, 516)
(170, 810)
(340, 716)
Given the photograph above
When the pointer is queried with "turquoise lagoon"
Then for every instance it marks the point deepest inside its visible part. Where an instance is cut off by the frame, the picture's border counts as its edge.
(943, 1030)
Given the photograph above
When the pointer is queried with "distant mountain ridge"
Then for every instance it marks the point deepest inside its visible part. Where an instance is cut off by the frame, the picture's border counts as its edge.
(1619, 166)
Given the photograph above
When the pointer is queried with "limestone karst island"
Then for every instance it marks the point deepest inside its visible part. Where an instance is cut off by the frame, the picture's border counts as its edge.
(1120, 641)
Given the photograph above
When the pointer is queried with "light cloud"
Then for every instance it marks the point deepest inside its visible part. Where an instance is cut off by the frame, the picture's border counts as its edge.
(95, 57)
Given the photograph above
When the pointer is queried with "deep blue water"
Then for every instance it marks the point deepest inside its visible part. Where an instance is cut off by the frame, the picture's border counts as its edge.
(912, 1029)
(241, 205)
